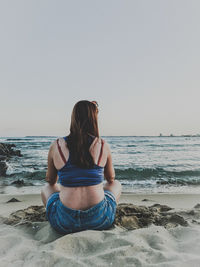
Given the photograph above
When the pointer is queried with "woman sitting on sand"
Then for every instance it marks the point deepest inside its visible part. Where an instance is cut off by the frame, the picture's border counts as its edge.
(81, 161)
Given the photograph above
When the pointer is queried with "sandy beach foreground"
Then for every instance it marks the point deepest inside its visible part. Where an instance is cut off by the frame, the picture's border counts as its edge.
(171, 238)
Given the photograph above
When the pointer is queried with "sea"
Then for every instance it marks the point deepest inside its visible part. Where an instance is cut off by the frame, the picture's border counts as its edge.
(143, 164)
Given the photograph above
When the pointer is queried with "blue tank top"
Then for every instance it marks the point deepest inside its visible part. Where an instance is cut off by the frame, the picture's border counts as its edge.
(72, 176)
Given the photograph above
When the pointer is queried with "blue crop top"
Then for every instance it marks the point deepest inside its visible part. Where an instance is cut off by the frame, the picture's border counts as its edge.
(72, 176)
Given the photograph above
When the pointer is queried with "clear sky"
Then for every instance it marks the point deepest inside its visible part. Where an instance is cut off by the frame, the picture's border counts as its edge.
(139, 59)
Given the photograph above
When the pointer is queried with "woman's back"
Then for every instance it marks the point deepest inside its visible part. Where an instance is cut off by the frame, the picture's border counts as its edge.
(84, 196)
(72, 175)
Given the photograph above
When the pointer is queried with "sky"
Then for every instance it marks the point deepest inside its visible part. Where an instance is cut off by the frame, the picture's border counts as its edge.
(139, 59)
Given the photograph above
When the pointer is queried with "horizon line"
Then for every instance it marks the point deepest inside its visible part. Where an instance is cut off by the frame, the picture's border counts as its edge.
(171, 135)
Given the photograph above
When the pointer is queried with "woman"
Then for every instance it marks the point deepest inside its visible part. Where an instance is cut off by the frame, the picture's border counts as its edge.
(81, 161)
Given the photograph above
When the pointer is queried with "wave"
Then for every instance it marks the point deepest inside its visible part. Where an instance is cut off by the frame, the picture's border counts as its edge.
(196, 145)
(14, 139)
(179, 182)
(145, 173)
(168, 145)
(158, 176)
(36, 175)
(124, 145)
(40, 136)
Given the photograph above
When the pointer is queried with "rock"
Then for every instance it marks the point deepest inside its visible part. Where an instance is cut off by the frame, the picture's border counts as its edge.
(130, 223)
(13, 200)
(128, 216)
(172, 220)
(132, 217)
(195, 222)
(2, 157)
(161, 208)
(178, 220)
(18, 182)
(191, 212)
(26, 216)
(3, 168)
(21, 182)
(197, 206)
(7, 150)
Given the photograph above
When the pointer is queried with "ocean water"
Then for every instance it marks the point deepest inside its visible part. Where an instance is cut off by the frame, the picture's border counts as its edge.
(142, 164)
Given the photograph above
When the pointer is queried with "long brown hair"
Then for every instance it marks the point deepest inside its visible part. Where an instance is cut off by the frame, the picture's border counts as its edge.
(84, 124)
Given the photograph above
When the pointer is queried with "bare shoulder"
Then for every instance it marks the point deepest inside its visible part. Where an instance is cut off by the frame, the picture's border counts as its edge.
(60, 146)
(54, 145)
(106, 148)
(60, 141)
(106, 145)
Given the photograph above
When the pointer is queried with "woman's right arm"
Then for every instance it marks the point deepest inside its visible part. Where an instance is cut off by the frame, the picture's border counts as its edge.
(109, 172)
(51, 175)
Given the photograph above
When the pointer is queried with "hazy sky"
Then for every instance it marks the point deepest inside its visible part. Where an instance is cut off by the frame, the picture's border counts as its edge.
(139, 59)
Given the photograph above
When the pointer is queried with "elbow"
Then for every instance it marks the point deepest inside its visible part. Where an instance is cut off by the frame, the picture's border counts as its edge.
(110, 179)
(50, 181)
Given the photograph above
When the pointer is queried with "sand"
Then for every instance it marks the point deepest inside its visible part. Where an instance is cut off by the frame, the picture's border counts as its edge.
(144, 234)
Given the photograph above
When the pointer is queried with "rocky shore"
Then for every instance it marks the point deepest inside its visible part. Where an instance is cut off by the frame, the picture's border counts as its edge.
(128, 216)
(6, 152)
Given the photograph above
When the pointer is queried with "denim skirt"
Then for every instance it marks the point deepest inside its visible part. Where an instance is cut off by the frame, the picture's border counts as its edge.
(65, 220)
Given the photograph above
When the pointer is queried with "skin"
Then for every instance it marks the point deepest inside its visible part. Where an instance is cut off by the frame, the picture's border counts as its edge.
(83, 197)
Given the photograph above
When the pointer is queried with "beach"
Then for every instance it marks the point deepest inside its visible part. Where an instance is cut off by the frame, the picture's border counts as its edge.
(175, 242)
(157, 220)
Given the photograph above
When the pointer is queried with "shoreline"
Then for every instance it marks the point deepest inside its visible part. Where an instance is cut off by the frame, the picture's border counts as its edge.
(35, 189)
(175, 200)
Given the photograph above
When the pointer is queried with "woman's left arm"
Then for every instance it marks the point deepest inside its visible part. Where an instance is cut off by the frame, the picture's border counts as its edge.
(51, 175)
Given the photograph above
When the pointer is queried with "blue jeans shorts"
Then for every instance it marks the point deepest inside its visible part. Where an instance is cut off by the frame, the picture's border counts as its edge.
(65, 220)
